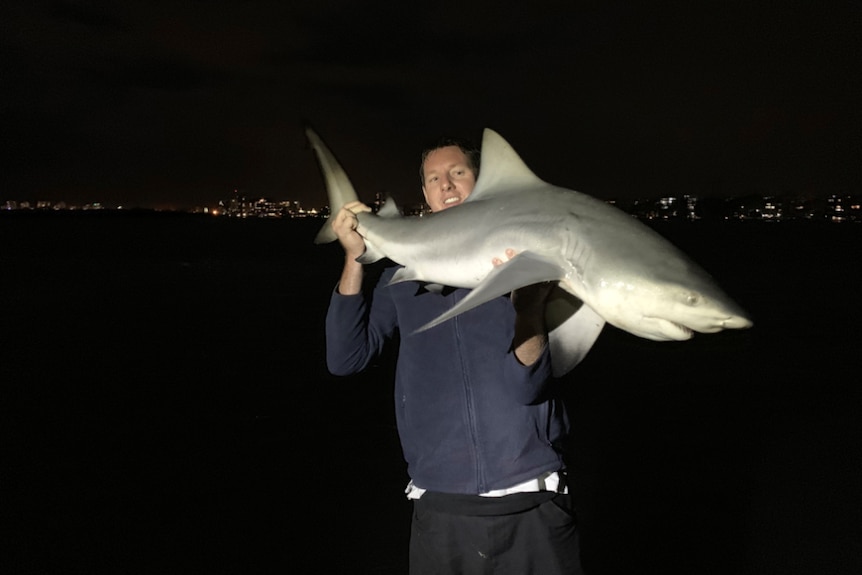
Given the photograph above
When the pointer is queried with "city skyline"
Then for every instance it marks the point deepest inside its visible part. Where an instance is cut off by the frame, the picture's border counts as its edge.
(832, 208)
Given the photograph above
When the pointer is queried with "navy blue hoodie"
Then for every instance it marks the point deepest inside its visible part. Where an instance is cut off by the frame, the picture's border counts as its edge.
(470, 416)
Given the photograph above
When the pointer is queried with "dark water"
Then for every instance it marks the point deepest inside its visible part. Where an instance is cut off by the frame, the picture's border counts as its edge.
(166, 410)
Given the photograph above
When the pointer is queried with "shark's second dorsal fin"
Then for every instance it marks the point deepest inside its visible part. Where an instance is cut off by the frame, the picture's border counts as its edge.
(389, 209)
(502, 169)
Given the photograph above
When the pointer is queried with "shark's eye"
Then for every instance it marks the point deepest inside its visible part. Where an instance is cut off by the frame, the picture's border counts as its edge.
(692, 299)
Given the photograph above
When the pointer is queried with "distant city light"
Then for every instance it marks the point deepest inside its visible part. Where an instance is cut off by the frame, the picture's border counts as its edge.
(829, 208)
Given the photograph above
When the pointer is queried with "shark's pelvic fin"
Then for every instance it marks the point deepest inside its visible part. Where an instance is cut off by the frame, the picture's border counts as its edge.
(404, 275)
(407, 275)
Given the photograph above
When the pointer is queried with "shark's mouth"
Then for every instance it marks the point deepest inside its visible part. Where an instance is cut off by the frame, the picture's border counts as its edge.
(672, 330)
(687, 331)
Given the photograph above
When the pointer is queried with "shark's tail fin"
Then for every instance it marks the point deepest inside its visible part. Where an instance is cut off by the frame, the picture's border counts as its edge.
(338, 185)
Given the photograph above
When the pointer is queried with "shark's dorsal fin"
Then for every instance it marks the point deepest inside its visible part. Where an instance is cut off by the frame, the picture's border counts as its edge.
(502, 169)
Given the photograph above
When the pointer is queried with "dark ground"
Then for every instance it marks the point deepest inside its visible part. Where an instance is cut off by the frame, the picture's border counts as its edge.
(166, 410)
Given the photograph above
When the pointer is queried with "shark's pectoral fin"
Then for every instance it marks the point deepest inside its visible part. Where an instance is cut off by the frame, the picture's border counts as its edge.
(573, 328)
(522, 270)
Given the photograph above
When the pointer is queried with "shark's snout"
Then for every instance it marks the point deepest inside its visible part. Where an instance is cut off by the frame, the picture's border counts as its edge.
(736, 322)
(718, 323)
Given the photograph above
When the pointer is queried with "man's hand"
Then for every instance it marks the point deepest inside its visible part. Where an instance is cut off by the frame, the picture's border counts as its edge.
(529, 298)
(344, 225)
(531, 336)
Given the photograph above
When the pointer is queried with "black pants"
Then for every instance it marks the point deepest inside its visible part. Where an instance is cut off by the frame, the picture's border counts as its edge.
(541, 540)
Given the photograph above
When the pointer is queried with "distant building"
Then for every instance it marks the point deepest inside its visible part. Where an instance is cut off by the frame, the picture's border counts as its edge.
(240, 206)
(836, 208)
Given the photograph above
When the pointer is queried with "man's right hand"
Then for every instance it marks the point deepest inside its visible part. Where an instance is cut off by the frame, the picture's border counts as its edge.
(344, 225)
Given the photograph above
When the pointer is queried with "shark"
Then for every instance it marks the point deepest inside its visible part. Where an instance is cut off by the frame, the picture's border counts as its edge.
(608, 267)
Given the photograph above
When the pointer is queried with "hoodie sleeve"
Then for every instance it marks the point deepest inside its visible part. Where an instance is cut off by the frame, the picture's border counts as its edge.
(528, 383)
(357, 327)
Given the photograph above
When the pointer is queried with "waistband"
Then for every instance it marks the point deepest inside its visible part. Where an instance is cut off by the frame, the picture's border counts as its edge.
(553, 481)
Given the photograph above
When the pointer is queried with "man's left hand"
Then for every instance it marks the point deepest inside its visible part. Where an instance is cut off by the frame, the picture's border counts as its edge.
(529, 298)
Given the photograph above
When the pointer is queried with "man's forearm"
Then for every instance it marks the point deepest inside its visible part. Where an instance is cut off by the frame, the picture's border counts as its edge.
(530, 336)
(351, 277)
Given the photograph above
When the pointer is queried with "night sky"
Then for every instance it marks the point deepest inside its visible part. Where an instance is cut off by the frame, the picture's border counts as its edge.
(176, 104)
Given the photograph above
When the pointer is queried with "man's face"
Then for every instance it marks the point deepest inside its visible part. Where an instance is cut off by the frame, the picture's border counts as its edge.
(448, 178)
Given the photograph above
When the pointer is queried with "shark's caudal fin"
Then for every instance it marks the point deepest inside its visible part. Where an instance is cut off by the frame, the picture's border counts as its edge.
(502, 169)
(338, 185)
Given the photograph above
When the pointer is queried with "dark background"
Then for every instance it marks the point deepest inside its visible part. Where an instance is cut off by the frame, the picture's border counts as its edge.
(167, 409)
(176, 104)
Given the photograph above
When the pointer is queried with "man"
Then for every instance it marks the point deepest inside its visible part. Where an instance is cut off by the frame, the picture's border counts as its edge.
(479, 425)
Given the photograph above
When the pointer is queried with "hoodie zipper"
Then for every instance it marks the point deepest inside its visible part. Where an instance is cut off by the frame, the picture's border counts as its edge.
(471, 412)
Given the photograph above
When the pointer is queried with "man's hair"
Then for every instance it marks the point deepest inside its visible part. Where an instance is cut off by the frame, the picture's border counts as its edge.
(473, 153)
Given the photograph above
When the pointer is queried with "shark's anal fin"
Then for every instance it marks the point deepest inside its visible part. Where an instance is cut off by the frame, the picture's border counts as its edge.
(522, 270)
(371, 254)
(573, 328)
